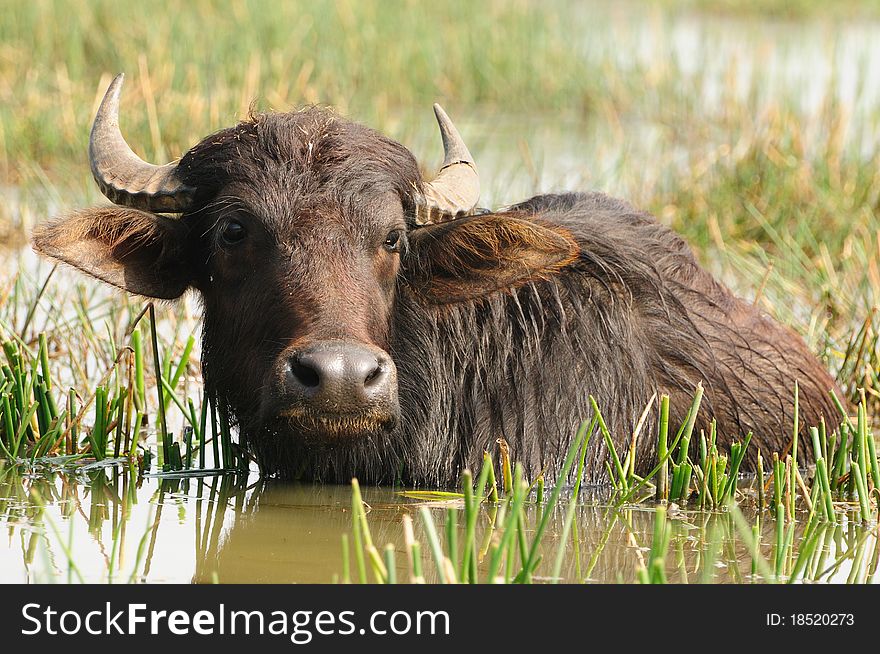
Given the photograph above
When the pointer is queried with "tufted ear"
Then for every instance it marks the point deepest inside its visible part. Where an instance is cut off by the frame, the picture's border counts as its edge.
(139, 252)
(471, 257)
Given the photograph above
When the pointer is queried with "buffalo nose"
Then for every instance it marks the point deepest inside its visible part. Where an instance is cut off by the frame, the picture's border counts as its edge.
(340, 377)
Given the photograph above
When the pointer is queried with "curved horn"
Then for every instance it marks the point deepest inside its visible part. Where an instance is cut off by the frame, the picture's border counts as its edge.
(125, 178)
(456, 188)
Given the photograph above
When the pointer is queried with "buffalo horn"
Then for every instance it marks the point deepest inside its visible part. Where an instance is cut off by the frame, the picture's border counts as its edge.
(125, 178)
(456, 189)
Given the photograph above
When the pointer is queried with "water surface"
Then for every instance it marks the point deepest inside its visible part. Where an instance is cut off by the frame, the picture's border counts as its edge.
(97, 524)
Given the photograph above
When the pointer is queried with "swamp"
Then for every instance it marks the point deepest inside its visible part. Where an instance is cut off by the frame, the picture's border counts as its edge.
(752, 129)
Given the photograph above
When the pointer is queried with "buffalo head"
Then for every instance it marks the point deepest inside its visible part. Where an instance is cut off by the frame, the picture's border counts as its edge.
(300, 231)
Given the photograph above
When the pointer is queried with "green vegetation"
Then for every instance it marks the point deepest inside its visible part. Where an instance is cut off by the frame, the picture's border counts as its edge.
(199, 69)
(39, 419)
(777, 195)
(779, 9)
(512, 553)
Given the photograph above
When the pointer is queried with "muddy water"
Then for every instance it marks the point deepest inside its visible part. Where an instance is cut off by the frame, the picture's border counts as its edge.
(97, 524)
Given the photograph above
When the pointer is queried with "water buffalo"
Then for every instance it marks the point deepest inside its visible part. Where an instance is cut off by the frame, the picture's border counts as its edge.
(359, 320)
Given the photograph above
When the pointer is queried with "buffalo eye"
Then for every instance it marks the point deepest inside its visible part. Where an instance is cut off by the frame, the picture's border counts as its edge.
(393, 241)
(232, 233)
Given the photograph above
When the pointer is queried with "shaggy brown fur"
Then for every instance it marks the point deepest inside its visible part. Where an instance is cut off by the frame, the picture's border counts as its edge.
(500, 325)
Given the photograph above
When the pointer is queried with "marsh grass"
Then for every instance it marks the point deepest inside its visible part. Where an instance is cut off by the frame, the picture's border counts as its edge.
(788, 9)
(779, 201)
(40, 419)
(278, 55)
(514, 556)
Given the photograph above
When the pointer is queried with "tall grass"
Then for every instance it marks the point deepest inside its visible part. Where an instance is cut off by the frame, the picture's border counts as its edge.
(200, 67)
(110, 420)
(779, 202)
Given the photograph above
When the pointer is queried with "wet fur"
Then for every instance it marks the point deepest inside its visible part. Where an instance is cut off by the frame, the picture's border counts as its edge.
(500, 325)
(634, 315)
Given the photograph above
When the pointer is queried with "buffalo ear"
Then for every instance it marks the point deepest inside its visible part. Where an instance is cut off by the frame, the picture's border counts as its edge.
(139, 252)
(468, 258)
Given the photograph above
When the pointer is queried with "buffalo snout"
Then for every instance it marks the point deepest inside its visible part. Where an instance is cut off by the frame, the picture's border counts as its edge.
(332, 383)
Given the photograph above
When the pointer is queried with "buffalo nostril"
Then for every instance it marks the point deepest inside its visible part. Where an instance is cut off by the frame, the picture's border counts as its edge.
(374, 375)
(338, 377)
(305, 375)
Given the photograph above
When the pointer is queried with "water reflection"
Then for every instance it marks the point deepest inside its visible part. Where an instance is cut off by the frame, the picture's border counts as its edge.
(106, 524)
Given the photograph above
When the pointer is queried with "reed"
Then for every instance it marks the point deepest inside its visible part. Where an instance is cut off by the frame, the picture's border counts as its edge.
(39, 419)
(772, 205)
(515, 551)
